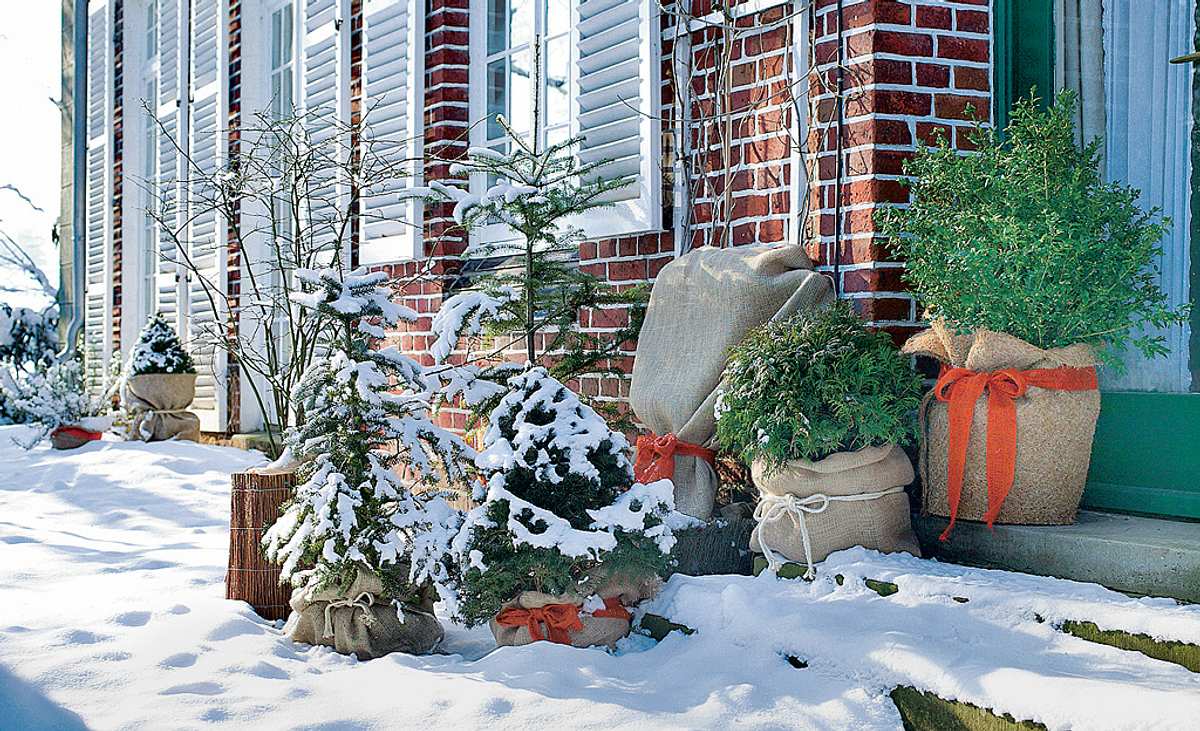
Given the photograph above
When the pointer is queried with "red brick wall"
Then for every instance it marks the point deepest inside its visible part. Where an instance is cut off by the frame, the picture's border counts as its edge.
(233, 250)
(911, 70)
(118, 147)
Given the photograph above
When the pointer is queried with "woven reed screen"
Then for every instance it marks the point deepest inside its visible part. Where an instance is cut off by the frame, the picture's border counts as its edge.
(255, 501)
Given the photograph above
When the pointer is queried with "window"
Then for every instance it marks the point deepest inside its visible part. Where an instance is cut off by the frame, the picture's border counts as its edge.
(149, 155)
(282, 87)
(599, 75)
(282, 62)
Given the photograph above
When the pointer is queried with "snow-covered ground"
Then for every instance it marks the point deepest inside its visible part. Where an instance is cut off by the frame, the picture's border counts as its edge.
(112, 561)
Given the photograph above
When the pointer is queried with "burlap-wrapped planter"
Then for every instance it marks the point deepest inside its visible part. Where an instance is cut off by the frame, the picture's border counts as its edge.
(846, 499)
(157, 403)
(1053, 434)
(703, 304)
(535, 616)
(361, 620)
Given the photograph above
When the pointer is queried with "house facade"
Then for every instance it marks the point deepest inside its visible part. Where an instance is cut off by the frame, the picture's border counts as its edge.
(751, 122)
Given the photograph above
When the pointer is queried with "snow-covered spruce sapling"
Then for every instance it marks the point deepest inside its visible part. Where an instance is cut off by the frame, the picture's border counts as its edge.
(158, 350)
(365, 440)
(540, 288)
(560, 513)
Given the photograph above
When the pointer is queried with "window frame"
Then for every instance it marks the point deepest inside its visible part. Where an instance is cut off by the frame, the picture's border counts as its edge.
(150, 85)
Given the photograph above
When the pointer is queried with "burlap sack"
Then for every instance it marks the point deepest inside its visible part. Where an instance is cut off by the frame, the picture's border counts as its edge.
(362, 621)
(703, 304)
(157, 403)
(605, 631)
(1054, 430)
(881, 523)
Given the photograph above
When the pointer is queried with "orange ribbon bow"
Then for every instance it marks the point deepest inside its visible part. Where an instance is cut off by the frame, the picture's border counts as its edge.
(656, 456)
(961, 388)
(560, 619)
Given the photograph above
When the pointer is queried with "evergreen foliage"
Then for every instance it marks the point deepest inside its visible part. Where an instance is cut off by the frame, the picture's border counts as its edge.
(559, 512)
(52, 396)
(1025, 237)
(541, 290)
(814, 384)
(158, 350)
(366, 423)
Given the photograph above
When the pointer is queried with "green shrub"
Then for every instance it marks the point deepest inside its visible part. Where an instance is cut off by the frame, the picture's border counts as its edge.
(1026, 238)
(814, 384)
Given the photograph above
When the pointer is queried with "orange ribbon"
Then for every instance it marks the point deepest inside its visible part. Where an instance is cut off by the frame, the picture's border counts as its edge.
(962, 388)
(560, 619)
(656, 456)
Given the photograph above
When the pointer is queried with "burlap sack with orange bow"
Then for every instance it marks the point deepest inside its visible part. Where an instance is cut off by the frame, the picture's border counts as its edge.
(1040, 436)
(566, 619)
(702, 304)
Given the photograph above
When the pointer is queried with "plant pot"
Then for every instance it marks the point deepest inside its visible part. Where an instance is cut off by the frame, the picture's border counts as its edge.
(843, 500)
(158, 404)
(72, 437)
(1050, 437)
(255, 500)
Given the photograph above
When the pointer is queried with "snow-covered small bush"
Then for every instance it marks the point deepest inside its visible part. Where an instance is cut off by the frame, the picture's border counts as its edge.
(28, 338)
(50, 397)
(560, 511)
(158, 350)
(366, 437)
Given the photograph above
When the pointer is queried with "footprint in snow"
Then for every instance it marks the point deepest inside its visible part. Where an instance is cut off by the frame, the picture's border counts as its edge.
(13, 540)
(116, 656)
(132, 619)
(498, 707)
(179, 609)
(83, 637)
(179, 660)
(235, 628)
(201, 688)
(151, 564)
(269, 671)
(214, 714)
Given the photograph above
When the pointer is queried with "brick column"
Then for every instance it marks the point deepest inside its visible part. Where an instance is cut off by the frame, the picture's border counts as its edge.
(118, 146)
(912, 70)
(233, 249)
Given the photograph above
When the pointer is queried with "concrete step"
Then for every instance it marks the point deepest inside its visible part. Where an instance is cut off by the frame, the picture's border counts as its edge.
(1132, 554)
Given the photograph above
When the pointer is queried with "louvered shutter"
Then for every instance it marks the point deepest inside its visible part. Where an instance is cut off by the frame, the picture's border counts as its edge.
(617, 110)
(325, 87)
(168, 110)
(393, 71)
(206, 234)
(98, 313)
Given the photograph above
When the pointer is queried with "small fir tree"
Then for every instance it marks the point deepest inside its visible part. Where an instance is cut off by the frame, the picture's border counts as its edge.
(558, 513)
(366, 422)
(158, 350)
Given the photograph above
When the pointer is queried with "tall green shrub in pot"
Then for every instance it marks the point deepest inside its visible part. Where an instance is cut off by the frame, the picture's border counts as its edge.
(1033, 270)
(818, 406)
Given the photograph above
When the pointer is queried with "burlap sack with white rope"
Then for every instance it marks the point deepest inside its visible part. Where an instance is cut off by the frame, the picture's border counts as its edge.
(605, 631)
(855, 515)
(703, 304)
(157, 403)
(1054, 430)
(361, 620)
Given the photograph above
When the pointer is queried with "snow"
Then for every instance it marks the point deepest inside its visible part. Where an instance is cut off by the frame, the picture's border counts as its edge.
(112, 616)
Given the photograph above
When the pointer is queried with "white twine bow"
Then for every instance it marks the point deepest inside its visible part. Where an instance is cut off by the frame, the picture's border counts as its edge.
(773, 507)
(363, 601)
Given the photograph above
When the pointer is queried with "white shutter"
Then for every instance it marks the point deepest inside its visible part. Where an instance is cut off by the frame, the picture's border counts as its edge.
(393, 83)
(325, 86)
(97, 225)
(206, 234)
(617, 110)
(168, 280)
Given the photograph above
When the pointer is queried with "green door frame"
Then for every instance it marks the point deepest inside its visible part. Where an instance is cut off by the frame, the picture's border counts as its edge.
(1146, 455)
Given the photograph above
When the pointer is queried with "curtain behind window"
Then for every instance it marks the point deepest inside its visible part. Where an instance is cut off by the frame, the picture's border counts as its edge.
(1115, 54)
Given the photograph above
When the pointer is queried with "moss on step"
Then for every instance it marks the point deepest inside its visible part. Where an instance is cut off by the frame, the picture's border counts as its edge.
(1180, 653)
(658, 627)
(792, 570)
(923, 711)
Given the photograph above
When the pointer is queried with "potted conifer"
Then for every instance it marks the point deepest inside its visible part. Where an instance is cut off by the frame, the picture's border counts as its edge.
(819, 406)
(1033, 270)
(562, 542)
(366, 451)
(160, 385)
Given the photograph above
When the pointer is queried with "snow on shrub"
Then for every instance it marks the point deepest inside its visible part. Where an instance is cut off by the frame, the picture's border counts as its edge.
(365, 422)
(49, 397)
(558, 513)
(158, 350)
(27, 337)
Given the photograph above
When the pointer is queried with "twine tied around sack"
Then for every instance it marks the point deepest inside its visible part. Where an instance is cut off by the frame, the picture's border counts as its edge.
(656, 456)
(363, 601)
(774, 507)
(961, 388)
(560, 619)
